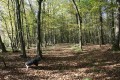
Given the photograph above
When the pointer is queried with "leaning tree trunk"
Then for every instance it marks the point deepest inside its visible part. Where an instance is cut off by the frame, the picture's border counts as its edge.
(22, 43)
(39, 51)
(117, 29)
(79, 24)
(2, 45)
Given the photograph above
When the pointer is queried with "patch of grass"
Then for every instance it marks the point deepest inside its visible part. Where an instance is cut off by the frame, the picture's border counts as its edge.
(9, 49)
(87, 79)
(76, 48)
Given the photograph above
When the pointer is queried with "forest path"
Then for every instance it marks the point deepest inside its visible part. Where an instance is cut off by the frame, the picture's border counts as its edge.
(61, 62)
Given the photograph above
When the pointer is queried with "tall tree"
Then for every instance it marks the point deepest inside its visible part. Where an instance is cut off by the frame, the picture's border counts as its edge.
(101, 27)
(112, 24)
(19, 25)
(39, 51)
(27, 27)
(79, 24)
(117, 29)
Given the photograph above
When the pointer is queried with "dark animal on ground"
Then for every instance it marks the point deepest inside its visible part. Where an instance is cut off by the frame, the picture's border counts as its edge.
(34, 61)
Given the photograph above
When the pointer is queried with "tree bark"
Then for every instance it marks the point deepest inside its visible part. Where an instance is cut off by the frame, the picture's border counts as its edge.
(20, 29)
(39, 51)
(112, 25)
(2, 45)
(101, 28)
(117, 29)
(79, 24)
(27, 27)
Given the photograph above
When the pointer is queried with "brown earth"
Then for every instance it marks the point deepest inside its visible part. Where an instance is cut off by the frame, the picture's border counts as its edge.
(62, 63)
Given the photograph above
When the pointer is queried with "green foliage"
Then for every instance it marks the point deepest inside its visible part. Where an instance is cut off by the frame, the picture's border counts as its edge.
(60, 15)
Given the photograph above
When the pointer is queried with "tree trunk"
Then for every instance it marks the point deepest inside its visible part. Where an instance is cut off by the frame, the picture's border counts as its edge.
(79, 24)
(117, 29)
(39, 51)
(112, 25)
(11, 37)
(27, 27)
(101, 28)
(15, 39)
(2, 45)
(20, 29)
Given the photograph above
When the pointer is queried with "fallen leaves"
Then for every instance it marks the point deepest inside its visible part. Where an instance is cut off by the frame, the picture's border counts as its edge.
(61, 63)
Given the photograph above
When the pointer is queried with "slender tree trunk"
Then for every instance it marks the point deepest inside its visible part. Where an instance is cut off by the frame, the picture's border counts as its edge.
(34, 24)
(117, 29)
(79, 24)
(11, 38)
(27, 27)
(20, 29)
(43, 23)
(2, 45)
(39, 51)
(112, 25)
(16, 38)
(101, 29)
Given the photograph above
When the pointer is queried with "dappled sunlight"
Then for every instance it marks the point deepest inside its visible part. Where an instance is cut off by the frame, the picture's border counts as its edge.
(61, 62)
(59, 40)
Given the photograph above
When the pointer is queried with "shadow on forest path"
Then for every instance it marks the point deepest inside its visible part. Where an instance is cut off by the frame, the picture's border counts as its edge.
(98, 61)
(61, 62)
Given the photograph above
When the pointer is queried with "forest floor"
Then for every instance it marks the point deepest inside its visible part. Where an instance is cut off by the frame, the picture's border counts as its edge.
(61, 62)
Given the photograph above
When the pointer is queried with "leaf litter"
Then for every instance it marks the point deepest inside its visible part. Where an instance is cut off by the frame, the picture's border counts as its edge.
(62, 63)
